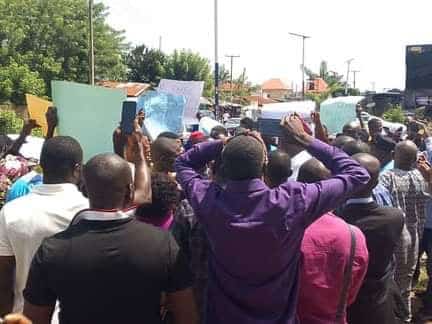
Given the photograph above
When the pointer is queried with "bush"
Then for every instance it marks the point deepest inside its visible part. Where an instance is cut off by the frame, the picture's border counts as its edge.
(394, 115)
(10, 123)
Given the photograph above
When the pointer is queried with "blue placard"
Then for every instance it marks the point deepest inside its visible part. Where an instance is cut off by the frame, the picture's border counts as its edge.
(164, 112)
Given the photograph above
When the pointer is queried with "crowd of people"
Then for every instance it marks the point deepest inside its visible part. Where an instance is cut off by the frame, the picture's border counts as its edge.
(231, 228)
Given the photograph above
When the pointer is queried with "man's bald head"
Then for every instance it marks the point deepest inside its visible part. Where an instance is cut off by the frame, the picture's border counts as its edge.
(351, 129)
(108, 180)
(405, 155)
(313, 171)
(341, 140)
(355, 147)
(373, 167)
(278, 168)
(164, 152)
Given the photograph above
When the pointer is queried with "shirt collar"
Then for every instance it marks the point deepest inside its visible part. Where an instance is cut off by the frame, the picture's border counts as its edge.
(53, 189)
(103, 215)
(360, 201)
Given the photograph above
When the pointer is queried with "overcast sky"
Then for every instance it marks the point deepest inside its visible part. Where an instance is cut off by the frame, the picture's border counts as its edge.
(373, 32)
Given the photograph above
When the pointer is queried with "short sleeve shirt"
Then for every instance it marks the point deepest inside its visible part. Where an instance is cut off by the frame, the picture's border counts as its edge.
(107, 272)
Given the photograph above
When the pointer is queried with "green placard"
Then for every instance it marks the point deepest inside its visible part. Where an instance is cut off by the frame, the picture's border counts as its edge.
(89, 114)
(336, 112)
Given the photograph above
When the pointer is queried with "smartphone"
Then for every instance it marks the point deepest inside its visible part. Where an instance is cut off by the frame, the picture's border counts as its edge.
(129, 113)
(270, 127)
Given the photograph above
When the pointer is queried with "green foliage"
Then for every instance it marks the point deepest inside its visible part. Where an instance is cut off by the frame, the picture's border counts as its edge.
(10, 123)
(224, 74)
(188, 66)
(17, 80)
(394, 115)
(146, 65)
(50, 38)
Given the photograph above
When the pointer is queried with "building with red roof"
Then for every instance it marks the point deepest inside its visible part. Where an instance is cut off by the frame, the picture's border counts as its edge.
(275, 89)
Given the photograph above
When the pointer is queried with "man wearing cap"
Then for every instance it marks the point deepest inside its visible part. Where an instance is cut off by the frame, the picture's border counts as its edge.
(195, 138)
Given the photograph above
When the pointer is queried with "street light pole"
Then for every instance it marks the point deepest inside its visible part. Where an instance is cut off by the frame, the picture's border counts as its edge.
(216, 56)
(348, 72)
(355, 75)
(91, 46)
(304, 37)
(232, 57)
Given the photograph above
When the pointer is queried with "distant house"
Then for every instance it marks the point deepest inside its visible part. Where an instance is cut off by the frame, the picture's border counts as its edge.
(134, 89)
(317, 85)
(275, 89)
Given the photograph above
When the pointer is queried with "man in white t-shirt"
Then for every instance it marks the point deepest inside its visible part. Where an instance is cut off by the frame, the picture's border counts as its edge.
(47, 210)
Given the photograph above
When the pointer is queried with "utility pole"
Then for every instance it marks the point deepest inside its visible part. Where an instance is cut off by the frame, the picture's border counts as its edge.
(232, 57)
(216, 57)
(91, 46)
(347, 77)
(160, 43)
(354, 80)
(304, 37)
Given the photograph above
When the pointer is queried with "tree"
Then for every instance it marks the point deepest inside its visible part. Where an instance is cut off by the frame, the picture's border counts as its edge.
(145, 65)
(50, 37)
(395, 115)
(188, 66)
(17, 80)
(224, 74)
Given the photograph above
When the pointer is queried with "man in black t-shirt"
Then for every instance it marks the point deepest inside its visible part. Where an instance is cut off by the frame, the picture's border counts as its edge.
(382, 227)
(107, 267)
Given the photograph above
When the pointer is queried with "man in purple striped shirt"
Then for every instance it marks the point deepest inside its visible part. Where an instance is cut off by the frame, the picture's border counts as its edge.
(255, 232)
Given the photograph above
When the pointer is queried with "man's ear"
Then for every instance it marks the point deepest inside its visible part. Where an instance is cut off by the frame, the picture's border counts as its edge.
(77, 173)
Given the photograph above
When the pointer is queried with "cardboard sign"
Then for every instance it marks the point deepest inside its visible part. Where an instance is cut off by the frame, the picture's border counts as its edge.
(89, 114)
(192, 91)
(37, 109)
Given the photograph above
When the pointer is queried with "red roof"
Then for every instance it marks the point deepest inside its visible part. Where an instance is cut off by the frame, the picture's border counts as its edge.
(134, 89)
(317, 85)
(274, 84)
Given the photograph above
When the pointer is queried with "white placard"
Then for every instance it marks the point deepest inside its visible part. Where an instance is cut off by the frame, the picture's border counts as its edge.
(192, 90)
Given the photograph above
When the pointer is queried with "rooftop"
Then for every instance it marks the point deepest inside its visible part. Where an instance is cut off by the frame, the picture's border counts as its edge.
(134, 89)
(274, 84)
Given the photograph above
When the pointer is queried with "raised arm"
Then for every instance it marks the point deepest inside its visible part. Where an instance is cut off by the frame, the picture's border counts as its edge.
(26, 131)
(347, 175)
(187, 167)
(143, 192)
(320, 132)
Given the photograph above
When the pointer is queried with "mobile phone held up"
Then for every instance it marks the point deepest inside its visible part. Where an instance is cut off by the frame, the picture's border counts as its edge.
(129, 112)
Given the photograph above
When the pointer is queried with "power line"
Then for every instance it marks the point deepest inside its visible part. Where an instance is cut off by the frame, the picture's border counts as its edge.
(232, 57)
(303, 37)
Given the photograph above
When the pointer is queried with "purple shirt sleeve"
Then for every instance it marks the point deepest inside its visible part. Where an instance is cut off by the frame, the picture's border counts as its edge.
(319, 198)
(186, 167)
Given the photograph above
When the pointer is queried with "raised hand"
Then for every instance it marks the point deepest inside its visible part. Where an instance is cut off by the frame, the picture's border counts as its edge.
(293, 129)
(28, 127)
